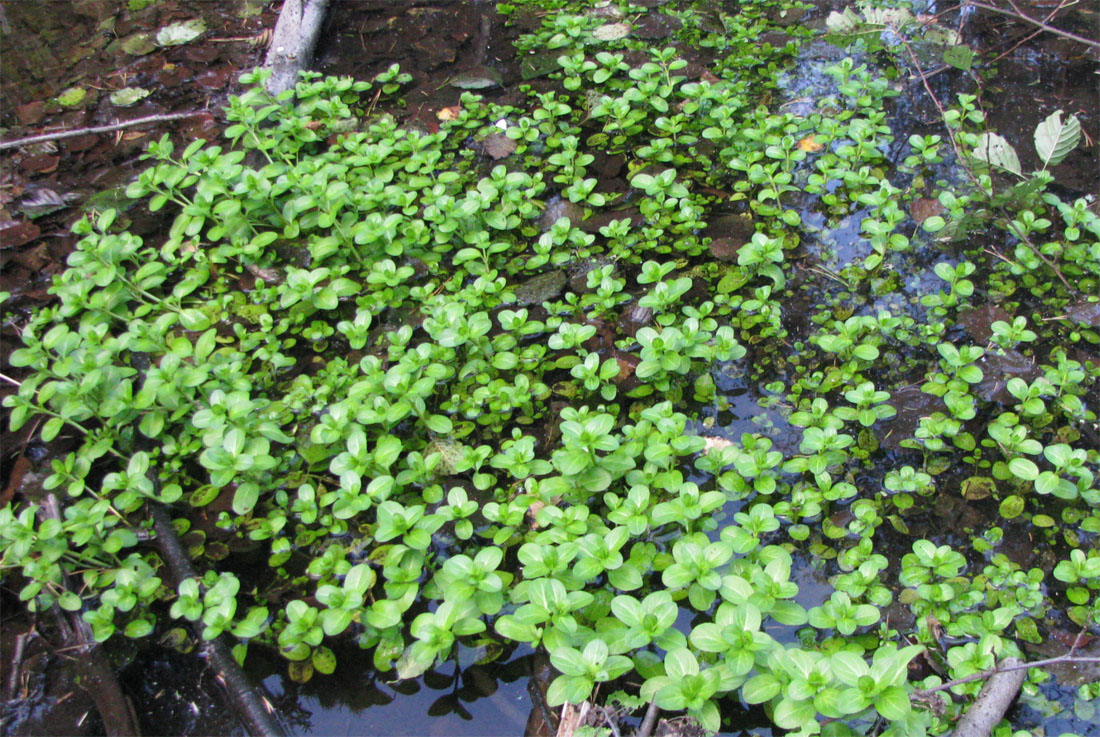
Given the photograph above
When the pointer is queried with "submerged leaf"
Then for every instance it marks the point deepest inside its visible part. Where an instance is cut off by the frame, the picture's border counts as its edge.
(994, 149)
(1055, 139)
(138, 44)
(960, 57)
(182, 32)
(128, 96)
(477, 79)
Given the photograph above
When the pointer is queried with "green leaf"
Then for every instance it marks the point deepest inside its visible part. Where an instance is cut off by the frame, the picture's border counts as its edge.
(893, 703)
(761, 688)
(1012, 507)
(72, 97)
(1055, 139)
(995, 150)
(245, 497)
(791, 714)
(324, 660)
(1024, 469)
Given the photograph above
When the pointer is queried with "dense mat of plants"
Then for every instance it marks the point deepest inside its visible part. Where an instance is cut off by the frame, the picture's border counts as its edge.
(397, 391)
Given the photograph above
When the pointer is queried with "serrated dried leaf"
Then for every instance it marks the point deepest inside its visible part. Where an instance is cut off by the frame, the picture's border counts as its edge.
(127, 96)
(611, 32)
(182, 32)
(994, 149)
(892, 17)
(843, 22)
(1055, 139)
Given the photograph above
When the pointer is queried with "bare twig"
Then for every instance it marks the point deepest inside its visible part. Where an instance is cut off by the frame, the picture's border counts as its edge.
(1049, 17)
(72, 133)
(610, 722)
(1019, 15)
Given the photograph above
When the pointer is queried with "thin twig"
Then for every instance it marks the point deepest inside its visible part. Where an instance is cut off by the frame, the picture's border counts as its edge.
(649, 721)
(923, 692)
(1019, 15)
(1049, 17)
(72, 133)
(610, 722)
(10, 380)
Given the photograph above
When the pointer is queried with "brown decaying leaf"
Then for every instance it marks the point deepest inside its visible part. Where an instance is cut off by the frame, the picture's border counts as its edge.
(924, 208)
(498, 145)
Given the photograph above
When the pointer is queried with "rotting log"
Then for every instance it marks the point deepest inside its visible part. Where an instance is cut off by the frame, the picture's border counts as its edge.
(993, 702)
(251, 708)
(292, 45)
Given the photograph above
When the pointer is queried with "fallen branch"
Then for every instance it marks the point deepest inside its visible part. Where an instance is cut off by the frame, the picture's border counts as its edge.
(74, 132)
(1019, 15)
(292, 44)
(996, 696)
(258, 720)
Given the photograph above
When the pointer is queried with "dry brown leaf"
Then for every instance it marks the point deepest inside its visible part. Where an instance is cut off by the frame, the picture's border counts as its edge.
(809, 145)
(449, 113)
(533, 512)
(712, 443)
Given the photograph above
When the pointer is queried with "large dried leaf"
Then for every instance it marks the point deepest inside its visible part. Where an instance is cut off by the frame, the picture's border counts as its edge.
(994, 149)
(1055, 139)
(893, 17)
